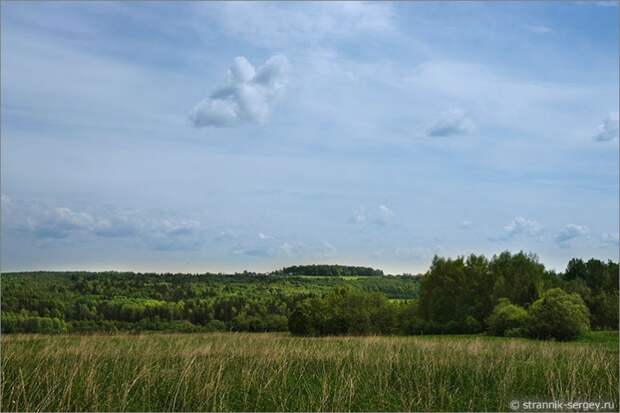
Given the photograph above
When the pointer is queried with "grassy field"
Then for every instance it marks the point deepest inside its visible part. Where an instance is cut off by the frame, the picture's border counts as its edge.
(275, 372)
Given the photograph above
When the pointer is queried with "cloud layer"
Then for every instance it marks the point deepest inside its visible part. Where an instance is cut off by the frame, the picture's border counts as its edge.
(247, 96)
(61, 223)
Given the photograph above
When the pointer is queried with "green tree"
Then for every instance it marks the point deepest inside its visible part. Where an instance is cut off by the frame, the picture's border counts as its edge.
(558, 314)
(506, 316)
(518, 277)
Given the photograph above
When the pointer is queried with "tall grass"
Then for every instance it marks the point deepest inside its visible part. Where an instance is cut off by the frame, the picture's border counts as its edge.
(269, 372)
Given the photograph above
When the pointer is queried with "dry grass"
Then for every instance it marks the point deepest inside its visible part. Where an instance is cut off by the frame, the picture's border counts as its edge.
(269, 372)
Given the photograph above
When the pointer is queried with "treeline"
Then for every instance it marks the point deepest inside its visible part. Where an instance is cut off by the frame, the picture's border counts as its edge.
(112, 301)
(324, 270)
(508, 295)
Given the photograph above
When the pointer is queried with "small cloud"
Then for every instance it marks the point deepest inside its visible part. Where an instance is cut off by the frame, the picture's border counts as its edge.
(520, 227)
(539, 29)
(451, 123)
(610, 238)
(247, 97)
(570, 232)
(385, 215)
(264, 236)
(465, 224)
(608, 128)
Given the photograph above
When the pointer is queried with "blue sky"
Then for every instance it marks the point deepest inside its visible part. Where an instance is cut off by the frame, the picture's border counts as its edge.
(229, 136)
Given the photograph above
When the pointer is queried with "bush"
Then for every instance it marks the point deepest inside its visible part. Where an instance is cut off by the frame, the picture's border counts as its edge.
(215, 325)
(558, 315)
(507, 317)
(471, 325)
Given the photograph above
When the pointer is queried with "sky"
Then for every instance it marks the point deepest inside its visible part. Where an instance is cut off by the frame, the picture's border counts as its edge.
(194, 137)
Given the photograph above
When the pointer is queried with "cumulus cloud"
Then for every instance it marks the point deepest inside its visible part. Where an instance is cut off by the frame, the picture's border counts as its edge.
(451, 123)
(520, 226)
(247, 96)
(570, 232)
(608, 128)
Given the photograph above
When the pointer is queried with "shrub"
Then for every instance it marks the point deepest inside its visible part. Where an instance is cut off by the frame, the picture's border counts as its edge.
(558, 315)
(506, 317)
(471, 325)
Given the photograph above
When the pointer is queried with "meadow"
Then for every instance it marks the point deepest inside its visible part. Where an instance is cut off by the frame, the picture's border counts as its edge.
(279, 372)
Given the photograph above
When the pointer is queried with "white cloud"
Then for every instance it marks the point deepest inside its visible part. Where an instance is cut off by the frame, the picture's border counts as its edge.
(247, 96)
(520, 226)
(385, 215)
(452, 122)
(608, 128)
(571, 231)
(265, 236)
(155, 231)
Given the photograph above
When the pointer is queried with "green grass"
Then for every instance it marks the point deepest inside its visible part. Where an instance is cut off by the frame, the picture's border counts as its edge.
(276, 372)
(609, 339)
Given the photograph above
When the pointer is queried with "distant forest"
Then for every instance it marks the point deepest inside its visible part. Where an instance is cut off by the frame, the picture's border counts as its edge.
(324, 270)
(508, 295)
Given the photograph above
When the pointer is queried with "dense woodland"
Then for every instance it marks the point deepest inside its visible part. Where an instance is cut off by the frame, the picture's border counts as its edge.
(509, 294)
